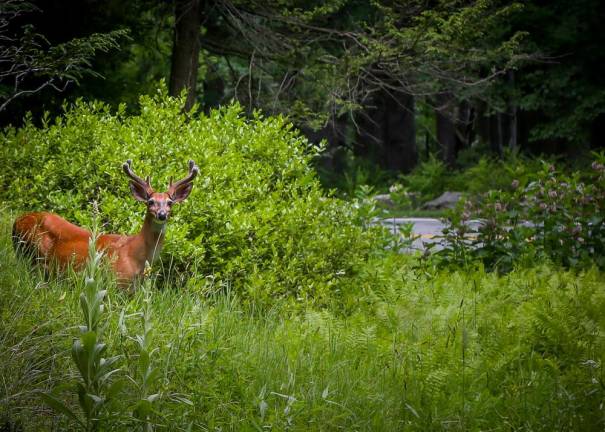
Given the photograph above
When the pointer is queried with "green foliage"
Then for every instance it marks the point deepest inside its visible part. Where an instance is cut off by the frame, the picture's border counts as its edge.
(29, 63)
(471, 350)
(497, 174)
(146, 375)
(318, 60)
(94, 387)
(429, 179)
(550, 215)
(432, 177)
(353, 174)
(568, 93)
(401, 197)
(257, 216)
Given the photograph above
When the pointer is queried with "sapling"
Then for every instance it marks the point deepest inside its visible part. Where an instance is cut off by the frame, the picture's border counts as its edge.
(146, 376)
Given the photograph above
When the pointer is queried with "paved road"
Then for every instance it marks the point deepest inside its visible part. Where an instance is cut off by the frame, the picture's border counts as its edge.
(428, 230)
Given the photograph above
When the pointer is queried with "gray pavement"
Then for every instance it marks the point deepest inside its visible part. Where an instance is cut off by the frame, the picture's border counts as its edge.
(427, 230)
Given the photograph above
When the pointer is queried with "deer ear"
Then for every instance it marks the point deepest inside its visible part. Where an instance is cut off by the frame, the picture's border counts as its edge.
(182, 192)
(139, 192)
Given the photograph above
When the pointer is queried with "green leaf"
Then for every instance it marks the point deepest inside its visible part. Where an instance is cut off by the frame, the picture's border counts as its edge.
(142, 408)
(115, 388)
(60, 407)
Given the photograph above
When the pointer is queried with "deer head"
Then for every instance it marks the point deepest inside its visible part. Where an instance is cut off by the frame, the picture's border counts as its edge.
(159, 204)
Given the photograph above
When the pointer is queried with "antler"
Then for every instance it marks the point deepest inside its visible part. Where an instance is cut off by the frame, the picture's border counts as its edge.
(145, 184)
(193, 172)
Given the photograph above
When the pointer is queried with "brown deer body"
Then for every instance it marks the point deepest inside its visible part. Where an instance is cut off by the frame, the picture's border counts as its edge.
(57, 242)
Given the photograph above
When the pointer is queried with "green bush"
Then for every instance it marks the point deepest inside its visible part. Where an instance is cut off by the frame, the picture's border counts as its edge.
(548, 215)
(432, 177)
(429, 179)
(257, 217)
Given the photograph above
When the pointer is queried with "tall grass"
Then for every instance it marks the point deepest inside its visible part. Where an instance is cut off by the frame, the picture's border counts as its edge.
(435, 351)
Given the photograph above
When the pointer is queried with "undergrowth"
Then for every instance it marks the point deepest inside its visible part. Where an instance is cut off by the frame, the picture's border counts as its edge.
(551, 216)
(422, 351)
(256, 217)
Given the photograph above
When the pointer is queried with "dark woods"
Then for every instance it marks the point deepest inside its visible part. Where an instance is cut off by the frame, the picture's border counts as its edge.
(387, 83)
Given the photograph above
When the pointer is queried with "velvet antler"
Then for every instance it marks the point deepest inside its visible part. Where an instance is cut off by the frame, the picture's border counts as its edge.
(180, 190)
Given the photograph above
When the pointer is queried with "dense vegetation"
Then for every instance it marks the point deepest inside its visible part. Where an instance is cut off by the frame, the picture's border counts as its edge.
(385, 83)
(548, 214)
(425, 351)
(257, 218)
(279, 302)
(276, 306)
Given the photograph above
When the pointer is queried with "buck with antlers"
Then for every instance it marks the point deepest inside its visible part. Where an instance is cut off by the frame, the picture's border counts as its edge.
(56, 242)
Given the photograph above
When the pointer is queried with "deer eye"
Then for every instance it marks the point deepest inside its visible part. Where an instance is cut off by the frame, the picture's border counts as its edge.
(151, 201)
(170, 202)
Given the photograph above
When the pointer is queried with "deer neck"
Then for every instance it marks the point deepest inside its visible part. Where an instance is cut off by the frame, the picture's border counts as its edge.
(151, 239)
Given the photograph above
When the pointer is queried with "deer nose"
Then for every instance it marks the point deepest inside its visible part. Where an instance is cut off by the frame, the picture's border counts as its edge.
(162, 215)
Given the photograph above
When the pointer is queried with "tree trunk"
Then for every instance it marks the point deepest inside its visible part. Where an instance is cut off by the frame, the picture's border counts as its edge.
(186, 49)
(427, 144)
(513, 141)
(368, 123)
(446, 129)
(399, 147)
(481, 123)
(464, 126)
(495, 134)
(387, 132)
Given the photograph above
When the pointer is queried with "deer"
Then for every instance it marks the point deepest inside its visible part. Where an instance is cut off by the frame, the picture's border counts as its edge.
(57, 243)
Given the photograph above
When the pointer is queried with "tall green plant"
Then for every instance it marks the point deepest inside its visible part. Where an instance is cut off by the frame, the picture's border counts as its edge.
(95, 386)
(147, 375)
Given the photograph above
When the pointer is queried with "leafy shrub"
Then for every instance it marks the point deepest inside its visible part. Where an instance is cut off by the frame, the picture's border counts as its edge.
(429, 179)
(432, 177)
(496, 174)
(553, 216)
(257, 216)
(347, 172)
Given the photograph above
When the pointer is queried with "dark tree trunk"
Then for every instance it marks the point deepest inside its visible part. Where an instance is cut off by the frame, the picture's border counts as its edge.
(513, 141)
(482, 123)
(368, 124)
(387, 132)
(427, 144)
(400, 152)
(495, 134)
(500, 130)
(464, 125)
(214, 91)
(186, 49)
(446, 129)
